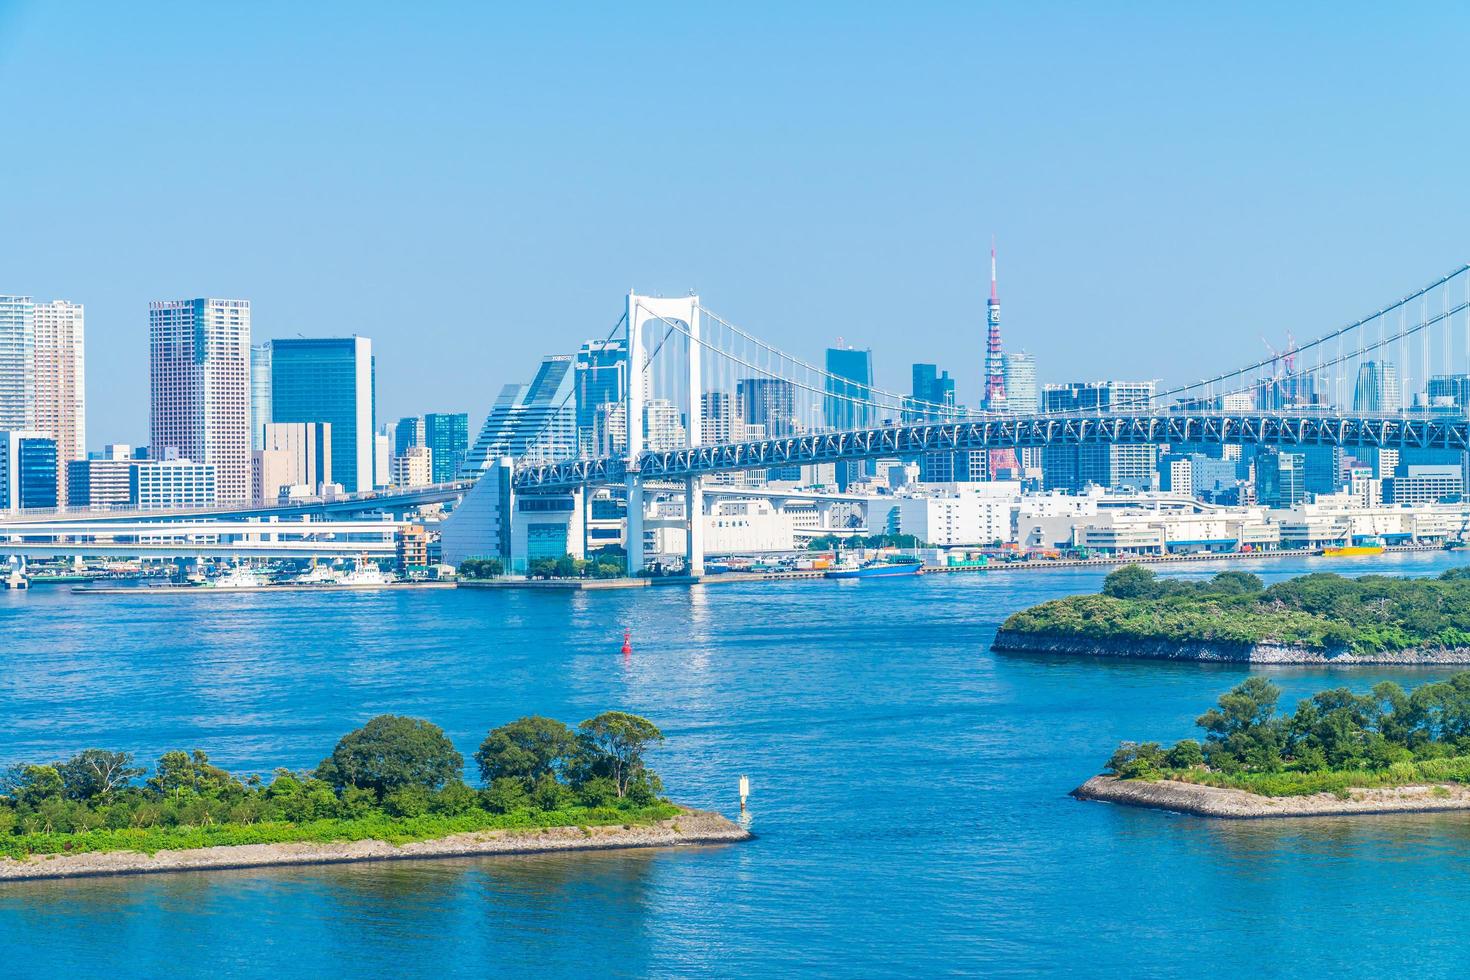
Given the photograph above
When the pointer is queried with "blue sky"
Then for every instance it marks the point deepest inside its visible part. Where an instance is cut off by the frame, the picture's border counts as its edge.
(476, 185)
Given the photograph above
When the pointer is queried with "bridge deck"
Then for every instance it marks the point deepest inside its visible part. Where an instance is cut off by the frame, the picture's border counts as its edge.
(1014, 432)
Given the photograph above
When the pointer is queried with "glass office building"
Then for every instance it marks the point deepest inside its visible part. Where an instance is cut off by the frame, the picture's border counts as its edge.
(330, 380)
(27, 470)
(447, 434)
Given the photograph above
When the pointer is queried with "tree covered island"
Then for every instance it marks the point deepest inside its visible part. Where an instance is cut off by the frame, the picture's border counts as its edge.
(1385, 750)
(1318, 618)
(395, 780)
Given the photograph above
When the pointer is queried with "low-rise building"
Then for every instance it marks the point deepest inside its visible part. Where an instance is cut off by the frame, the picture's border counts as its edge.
(972, 513)
(28, 478)
(1425, 485)
(172, 484)
(104, 481)
(412, 468)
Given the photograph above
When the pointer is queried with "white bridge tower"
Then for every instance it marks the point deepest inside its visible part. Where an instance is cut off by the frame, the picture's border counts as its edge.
(681, 313)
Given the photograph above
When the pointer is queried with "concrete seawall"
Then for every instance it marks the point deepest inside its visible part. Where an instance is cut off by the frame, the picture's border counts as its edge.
(1010, 641)
(1235, 804)
(689, 828)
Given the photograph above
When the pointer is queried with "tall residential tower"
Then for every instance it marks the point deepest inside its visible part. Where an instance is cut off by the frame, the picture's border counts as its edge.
(61, 382)
(17, 362)
(199, 369)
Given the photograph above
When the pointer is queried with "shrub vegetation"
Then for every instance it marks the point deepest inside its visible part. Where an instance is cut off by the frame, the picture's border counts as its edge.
(396, 779)
(1333, 741)
(1320, 612)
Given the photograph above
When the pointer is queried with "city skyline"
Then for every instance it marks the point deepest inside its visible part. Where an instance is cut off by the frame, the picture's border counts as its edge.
(1039, 136)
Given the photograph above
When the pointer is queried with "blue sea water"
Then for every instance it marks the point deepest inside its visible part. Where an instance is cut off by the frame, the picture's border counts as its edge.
(909, 790)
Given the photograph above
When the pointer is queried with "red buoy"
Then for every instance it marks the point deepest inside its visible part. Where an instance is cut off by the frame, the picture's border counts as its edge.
(627, 642)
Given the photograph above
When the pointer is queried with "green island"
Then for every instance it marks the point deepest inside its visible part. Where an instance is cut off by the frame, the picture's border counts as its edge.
(395, 780)
(1317, 618)
(1387, 750)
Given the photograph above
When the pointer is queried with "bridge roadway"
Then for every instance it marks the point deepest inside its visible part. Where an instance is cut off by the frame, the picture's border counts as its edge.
(200, 538)
(1328, 428)
(376, 501)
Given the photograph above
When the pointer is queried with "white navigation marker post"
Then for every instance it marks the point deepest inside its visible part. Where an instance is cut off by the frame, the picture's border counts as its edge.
(744, 791)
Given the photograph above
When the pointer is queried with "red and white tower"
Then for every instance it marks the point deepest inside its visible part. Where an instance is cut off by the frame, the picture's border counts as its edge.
(1000, 461)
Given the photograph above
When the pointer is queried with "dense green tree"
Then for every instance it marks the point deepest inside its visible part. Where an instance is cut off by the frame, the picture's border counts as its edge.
(506, 795)
(392, 752)
(177, 772)
(481, 568)
(1137, 760)
(618, 742)
(97, 773)
(526, 749)
(1242, 727)
(36, 784)
(1236, 583)
(1131, 582)
(1185, 754)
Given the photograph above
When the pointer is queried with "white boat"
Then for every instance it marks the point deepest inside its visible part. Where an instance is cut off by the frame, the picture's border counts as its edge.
(366, 575)
(317, 575)
(239, 577)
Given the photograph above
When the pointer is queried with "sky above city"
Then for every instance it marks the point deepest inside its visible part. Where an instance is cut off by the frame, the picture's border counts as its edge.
(474, 186)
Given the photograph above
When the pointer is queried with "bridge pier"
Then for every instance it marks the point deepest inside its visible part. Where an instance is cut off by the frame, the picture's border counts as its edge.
(634, 534)
(694, 515)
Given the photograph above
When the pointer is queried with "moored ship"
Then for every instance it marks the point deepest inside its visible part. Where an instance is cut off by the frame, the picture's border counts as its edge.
(881, 569)
(1369, 546)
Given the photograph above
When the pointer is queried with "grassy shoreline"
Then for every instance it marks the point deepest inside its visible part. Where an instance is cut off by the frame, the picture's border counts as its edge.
(685, 828)
(1295, 783)
(1318, 613)
(380, 827)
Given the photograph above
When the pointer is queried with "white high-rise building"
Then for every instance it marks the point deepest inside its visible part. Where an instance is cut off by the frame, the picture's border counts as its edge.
(200, 370)
(412, 468)
(1022, 395)
(59, 377)
(17, 362)
(663, 425)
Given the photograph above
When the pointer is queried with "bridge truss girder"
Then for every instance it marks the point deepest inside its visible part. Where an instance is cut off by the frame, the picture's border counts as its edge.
(1348, 431)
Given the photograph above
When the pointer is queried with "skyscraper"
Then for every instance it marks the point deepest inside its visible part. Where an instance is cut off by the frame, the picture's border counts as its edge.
(932, 394)
(849, 387)
(1072, 468)
(407, 433)
(600, 378)
(717, 419)
(59, 377)
(17, 362)
(932, 399)
(200, 383)
(770, 403)
(331, 380)
(538, 420)
(260, 393)
(447, 434)
(1280, 478)
(1022, 395)
(663, 425)
(1377, 388)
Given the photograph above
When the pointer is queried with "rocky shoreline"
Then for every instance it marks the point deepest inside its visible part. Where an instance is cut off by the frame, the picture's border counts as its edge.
(688, 828)
(1212, 801)
(1012, 641)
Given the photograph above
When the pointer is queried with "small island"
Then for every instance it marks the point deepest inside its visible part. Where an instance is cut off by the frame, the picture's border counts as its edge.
(392, 789)
(1388, 751)
(1313, 619)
